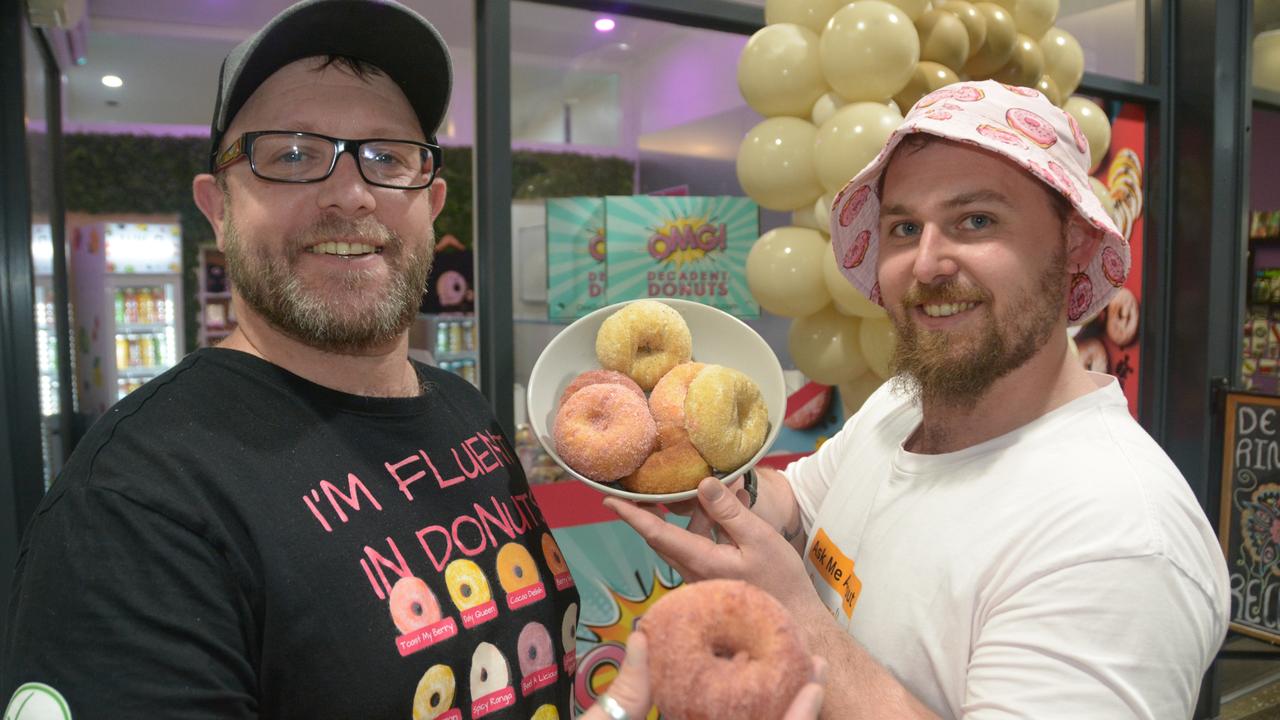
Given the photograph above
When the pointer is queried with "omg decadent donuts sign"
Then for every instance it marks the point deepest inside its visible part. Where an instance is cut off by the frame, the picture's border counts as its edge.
(691, 248)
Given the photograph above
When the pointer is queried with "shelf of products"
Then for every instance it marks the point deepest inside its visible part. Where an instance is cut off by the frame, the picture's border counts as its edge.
(216, 317)
(1260, 353)
(454, 343)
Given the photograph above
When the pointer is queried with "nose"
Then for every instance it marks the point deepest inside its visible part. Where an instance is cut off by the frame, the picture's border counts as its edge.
(935, 259)
(345, 191)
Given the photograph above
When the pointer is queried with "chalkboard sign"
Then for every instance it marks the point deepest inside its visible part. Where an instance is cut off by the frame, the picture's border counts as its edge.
(1250, 527)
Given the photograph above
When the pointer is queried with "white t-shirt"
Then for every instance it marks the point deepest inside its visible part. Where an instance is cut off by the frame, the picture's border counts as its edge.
(1063, 570)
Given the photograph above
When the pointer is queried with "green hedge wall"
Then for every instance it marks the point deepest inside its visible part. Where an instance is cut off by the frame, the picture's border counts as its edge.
(145, 174)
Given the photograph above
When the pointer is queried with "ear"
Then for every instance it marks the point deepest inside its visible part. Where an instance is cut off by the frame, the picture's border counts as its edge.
(211, 201)
(436, 194)
(1082, 240)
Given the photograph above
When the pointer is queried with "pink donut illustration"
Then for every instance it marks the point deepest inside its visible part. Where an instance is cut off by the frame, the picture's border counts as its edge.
(1082, 143)
(854, 204)
(938, 114)
(875, 295)
(1001, 135)
(945, 93)
(1062, 180)
(1113, 266)
(1023, 91)
(857, 252)
(1037, 129)
(413, 605)
(968, 94)
(534, 647)
(1081, 297)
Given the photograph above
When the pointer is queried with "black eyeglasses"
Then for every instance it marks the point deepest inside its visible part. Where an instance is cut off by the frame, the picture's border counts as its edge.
(302, 157)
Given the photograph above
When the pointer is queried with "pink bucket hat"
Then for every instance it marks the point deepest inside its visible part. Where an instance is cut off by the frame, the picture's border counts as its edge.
(1018, 123)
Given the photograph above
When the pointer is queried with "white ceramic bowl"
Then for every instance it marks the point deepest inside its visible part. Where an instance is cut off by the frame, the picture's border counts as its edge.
(718, 338)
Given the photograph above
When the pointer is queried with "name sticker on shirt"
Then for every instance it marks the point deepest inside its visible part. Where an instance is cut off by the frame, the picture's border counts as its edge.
(836, 569)
(493, 702)
(526, 595)
(538, 679)
(472, 617)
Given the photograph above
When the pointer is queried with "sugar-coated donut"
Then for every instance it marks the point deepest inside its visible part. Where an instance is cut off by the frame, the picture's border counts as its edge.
(1122, 317)
(726, 417)
(645, 339)
(551, 551)
(569, 628)
(604, 432)
(596, 377)
(516, 568)
(666, 402)
(534, 648)
(489, 671)
(413, 605)
(672, 469)
(723, 649)
(434, 696)
(468, 586)
(546, 712)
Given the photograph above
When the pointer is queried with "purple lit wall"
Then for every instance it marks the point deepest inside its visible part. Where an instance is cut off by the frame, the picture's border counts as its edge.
(690, 81)
(1264, 172)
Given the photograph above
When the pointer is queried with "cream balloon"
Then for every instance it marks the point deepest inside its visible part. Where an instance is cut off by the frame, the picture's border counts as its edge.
(1094, 124)
(779, 72)
(975, 23)
(850, 139)
(1101, 192)
(784, 271)
(848, 300)
(1008, 5)
(913, 8)
(943, 39)
(775, 164)
(1002, 35)
(822, 212)
(1025, 67)
(812, 14)
(868, 50)
(853, 393)
(1266, 60)
(825, 107)
(824, 346)
(803, 217)
(1049, 88)
(1035, 17)
(1063, 60)
(927, 77)
(877, 341)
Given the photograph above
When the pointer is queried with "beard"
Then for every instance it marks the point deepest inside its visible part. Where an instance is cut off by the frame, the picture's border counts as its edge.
(957, 369)
(355, 312)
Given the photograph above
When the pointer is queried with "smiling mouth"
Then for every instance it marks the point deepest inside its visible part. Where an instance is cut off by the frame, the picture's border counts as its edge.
(942, 310)
(343, 249)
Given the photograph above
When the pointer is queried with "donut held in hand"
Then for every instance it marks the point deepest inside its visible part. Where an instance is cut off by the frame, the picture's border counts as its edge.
(644, 340)
(604, 432)
(723, 649)
(725, 416)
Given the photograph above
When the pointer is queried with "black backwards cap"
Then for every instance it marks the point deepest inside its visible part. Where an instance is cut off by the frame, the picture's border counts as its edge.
(384, 33)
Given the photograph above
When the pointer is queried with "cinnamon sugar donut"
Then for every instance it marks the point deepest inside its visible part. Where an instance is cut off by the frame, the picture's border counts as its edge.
(604, 432)
(674, 468)
(645, 339)
(596, 377)
(726, 417)
(666, 402)
(723, 649)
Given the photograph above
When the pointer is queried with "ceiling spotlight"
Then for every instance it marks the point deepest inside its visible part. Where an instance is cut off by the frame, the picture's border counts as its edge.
(112, 81)
(605, 24)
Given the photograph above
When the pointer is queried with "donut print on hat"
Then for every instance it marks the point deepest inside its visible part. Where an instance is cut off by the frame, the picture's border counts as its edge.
(1017, 123)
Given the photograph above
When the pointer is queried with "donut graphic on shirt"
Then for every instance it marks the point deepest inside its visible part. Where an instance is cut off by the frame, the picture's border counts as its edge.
(434, 696)
(534, 649)
(546, 712)
(516, 568)
(551, 552)
(468, 586)
(413, 605)
(489, 671)
(1113, 266)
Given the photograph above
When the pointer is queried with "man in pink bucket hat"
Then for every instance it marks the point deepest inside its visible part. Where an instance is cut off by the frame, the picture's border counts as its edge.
(991, 535)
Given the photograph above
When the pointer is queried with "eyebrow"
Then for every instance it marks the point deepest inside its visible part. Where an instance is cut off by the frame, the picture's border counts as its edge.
(959, 201)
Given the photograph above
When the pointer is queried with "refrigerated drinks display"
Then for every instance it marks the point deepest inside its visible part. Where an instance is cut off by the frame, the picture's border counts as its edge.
(127, 291)
(46, 349)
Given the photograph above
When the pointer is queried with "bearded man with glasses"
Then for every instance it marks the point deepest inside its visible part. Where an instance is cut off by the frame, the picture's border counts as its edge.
(301, 522)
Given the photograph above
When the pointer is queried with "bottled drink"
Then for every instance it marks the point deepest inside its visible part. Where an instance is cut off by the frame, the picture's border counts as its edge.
(442, 337)
(469, 334)
(455, 336)
(157, 354)
(130, 306)
(135, 352)
(119, 306)
(122, 351)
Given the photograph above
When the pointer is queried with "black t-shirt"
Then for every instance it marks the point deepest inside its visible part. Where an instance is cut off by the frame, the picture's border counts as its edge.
(233, 541)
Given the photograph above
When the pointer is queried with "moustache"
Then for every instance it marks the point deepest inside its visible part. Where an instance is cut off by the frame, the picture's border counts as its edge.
(948, 292)
(328, 228)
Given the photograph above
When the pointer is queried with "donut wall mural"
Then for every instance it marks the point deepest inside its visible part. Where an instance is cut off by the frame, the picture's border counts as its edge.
(832, 80)
(451, 284)
(1111, 342)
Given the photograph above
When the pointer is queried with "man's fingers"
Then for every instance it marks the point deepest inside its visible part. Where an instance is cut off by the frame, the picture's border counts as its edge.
(807, 703)
(700, 524)
(726, 510)
(679, 547)
(631, 687)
